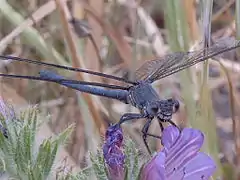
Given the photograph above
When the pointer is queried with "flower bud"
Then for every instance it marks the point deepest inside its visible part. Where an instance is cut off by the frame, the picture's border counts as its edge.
(113, 153)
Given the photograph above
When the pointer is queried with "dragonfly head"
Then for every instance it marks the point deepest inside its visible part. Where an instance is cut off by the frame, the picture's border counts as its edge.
(167, 108)
(163, 109)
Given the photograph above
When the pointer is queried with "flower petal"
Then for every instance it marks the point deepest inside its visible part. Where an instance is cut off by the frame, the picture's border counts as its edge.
(180, 158)
(184, 149)
(155, 168)
(200, 167)
(177, 175)
(169, 136)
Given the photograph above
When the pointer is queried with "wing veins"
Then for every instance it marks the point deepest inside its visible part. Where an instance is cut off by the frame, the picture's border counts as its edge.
(196, 59)
(174, 62)
(13, 58)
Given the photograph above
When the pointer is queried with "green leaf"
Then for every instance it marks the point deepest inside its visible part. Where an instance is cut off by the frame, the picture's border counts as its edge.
(98, 165)
(132, 163)
(19, 156)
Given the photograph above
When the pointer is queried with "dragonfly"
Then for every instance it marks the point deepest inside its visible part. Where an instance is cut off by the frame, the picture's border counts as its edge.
(138, 92)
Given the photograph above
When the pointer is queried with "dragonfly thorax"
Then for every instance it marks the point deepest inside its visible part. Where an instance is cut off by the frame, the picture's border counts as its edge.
(142, 95)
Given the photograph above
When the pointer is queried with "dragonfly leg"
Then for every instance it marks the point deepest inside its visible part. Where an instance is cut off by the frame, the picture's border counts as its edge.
(132, 116)
(145, 134)
(160, 124)
(172, 123)
(145, 131)
(169, 121)
(129, 117)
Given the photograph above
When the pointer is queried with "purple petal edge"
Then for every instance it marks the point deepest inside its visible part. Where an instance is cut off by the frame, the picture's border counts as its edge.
(185, 148)
(169, 136)
(201, 166)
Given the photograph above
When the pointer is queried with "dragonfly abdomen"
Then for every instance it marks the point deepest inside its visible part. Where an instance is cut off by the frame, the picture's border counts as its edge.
(121, 95)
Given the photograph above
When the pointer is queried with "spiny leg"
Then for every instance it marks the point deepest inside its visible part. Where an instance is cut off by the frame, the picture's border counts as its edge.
(129, 117)
(176, 106)
(145, 131)
(172, 123)
(160, 124)
(132, 116)
(145, 134)
(169, 121)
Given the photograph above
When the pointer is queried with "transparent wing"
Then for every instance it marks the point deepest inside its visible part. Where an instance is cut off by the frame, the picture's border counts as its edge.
(40, 63)
(159, 68)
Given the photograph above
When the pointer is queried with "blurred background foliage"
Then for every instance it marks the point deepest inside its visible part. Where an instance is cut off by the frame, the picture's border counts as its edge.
(119, 35)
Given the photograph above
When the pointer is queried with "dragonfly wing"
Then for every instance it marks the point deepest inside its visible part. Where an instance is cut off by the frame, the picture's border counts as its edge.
(40, 63)
(159, 68)
(149, 68)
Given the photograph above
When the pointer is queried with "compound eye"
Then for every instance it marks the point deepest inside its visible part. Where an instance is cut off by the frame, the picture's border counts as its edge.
(176, 106)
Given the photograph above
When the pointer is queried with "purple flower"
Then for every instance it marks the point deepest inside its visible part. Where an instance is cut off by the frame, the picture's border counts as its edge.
(113, 153)
(180, 158)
